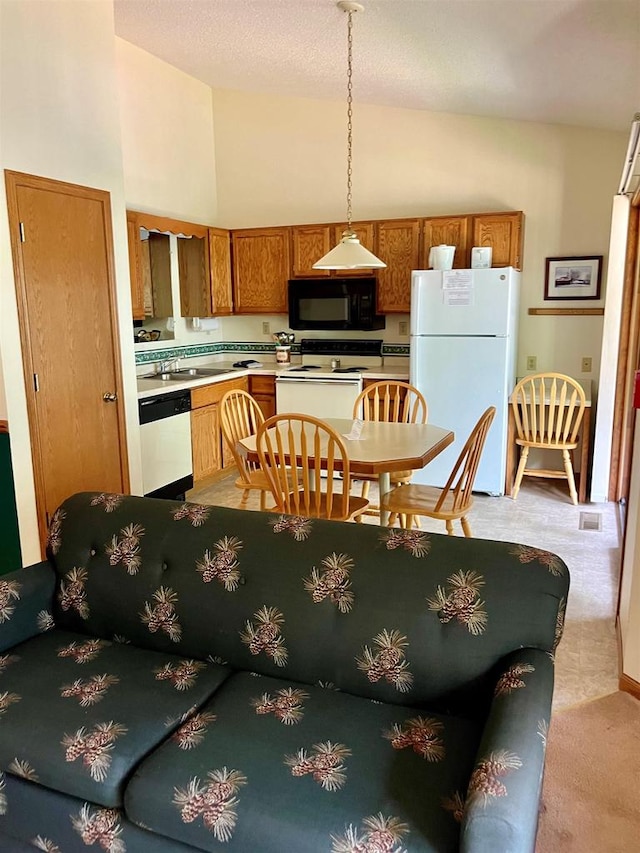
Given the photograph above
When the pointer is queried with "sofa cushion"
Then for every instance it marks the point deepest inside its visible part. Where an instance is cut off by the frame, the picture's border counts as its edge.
(404, 617)
(57, 823)
(77, 714)
(274, 765)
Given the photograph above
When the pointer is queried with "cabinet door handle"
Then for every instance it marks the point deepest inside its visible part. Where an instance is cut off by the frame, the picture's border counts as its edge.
(108, 397)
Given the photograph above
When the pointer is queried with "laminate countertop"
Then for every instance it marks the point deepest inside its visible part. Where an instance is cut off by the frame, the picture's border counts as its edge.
(396, 368)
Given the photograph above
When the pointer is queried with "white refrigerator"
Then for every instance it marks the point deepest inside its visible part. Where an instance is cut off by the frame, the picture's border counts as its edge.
(464, 326)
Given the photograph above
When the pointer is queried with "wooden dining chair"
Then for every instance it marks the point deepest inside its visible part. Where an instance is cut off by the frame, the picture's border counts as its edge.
(289, 448)
(455, 499)
(240, 416)
(548, 409)
(395, 402)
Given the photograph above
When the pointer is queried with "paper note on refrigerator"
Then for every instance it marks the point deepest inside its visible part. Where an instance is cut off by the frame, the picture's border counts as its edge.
(457, 287)
(458, 297)
(457, 280)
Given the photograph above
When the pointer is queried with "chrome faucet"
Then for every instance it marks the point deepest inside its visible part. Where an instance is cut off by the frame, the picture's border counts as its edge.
(165, 366)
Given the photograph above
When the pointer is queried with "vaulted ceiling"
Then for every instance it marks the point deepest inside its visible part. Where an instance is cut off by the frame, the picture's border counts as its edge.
(561, 61)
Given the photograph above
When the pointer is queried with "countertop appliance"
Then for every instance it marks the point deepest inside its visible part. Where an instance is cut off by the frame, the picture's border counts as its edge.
(165, 440)
(315, 388)
(336, 304)
(464, 326)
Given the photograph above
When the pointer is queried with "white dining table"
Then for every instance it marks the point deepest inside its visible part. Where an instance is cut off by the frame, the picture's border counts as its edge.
(381, 448)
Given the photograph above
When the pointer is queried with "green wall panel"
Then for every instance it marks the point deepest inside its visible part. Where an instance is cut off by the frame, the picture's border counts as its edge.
(10, 557)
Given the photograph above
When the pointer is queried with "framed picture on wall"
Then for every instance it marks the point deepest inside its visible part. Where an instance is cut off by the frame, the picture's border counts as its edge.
(573, 278)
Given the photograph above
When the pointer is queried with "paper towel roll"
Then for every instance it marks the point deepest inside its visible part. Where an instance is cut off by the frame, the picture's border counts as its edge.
(204, 324)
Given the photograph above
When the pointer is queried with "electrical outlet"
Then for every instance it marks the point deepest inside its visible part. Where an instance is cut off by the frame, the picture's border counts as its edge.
(586, 365)
(402, 328)
(266, 328)
(532, 362)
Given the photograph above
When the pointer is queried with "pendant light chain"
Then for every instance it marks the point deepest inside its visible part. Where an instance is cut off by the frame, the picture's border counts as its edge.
(349, 114)
(349, 254)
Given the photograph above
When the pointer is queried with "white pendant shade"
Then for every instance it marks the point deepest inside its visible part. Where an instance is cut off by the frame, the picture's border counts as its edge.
(349, 255)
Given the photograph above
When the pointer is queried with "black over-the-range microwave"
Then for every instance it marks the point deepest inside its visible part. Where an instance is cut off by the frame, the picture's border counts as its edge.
(346, 304)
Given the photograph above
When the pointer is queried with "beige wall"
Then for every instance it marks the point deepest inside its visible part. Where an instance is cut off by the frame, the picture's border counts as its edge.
(282, 160)
(60, 120)
(167, 137)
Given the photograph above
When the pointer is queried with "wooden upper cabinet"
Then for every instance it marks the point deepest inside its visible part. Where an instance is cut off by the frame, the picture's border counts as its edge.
(503, 232)
(195, 281)
(158, 275)
(398, 245)
(450, 231)
(309, 244)
(135, 266)
(261, 270)
(366, 234)
(205, 274)
(220, 267)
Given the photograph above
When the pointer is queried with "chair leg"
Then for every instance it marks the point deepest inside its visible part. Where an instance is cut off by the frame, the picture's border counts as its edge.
(568, 468)
(365, 489)
(244, 498)
(263, 500)
(449, 524)
(524, 453)
(465, 527)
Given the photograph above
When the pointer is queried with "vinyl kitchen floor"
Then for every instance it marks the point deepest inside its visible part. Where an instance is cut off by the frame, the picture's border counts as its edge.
(543, 515)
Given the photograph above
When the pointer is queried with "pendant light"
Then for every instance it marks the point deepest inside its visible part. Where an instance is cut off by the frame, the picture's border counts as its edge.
(349, 254)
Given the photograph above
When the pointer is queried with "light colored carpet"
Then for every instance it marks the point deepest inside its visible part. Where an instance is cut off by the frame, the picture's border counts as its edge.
(591, 792)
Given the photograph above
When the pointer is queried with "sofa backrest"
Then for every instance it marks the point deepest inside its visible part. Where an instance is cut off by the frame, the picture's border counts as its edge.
(398, 616)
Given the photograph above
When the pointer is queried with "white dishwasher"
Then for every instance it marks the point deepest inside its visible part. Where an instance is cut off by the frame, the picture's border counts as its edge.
(165, 441)
(321, 396)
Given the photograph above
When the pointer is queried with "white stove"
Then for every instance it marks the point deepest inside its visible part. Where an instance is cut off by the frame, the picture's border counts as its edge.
(319, 387)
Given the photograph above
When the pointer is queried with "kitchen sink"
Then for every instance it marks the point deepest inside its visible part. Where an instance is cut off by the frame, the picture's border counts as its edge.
(187, 373)
(200, 371)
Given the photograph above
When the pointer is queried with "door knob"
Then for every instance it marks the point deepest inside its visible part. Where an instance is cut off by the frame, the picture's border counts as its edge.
(109, 398)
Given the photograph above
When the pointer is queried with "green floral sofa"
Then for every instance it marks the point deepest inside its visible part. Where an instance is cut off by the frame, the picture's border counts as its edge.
(178, 677)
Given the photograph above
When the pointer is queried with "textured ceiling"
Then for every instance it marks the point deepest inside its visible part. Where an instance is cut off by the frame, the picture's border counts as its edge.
(561, 61)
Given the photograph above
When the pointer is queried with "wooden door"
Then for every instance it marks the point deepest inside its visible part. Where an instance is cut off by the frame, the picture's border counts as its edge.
(398, 245)
(503, 232)
(261, 269)
(310, 243)
(448, 231)
(63, 263)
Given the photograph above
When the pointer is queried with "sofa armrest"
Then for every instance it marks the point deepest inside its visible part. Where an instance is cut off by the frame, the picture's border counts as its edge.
(26, 599)
(501, 810)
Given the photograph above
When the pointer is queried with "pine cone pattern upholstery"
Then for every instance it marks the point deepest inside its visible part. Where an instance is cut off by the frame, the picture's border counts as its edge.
(174, 671)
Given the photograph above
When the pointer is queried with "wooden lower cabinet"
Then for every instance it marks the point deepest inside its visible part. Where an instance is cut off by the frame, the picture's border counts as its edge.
(208, 452)
(206, 446)
(263, 390)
